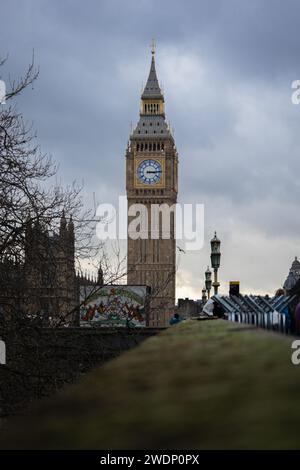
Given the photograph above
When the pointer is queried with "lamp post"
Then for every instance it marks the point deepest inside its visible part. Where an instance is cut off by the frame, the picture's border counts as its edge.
(208, 281)
(215, 260)
(204, 298)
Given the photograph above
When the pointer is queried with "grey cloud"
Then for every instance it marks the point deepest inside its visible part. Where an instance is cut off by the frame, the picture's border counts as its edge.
(235, 126)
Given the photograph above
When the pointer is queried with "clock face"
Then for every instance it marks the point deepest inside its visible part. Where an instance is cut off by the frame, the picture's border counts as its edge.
(149, 171)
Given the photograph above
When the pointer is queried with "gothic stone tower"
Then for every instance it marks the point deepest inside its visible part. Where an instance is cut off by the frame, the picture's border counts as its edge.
(151, 180)
(49, 271)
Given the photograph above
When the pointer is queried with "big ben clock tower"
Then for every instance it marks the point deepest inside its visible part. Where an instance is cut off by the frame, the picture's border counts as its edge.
(151, 180)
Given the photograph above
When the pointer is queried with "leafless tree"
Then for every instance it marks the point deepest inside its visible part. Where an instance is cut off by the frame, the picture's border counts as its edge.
(29, 197)
(26, 188)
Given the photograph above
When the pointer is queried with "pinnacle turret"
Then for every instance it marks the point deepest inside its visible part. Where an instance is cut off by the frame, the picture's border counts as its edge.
(152, 89)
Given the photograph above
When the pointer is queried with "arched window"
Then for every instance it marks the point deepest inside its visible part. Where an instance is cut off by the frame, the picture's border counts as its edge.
(138, 147)
(154, 146)
(146, 146)
(150, 146)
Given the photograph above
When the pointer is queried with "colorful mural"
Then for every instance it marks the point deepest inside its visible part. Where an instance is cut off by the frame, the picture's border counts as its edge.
(120, 305)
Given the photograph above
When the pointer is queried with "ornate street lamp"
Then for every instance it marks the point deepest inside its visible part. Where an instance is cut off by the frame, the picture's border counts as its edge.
(204, 298)
(208, 281)
(215, 260)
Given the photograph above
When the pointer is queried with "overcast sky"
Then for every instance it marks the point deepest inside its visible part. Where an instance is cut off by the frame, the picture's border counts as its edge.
(226, 68)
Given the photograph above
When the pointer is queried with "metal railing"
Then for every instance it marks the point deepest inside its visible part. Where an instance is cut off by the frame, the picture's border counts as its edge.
(270, 313)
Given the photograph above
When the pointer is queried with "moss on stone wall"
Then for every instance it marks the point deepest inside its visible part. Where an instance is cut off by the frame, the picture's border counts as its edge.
(201, 385)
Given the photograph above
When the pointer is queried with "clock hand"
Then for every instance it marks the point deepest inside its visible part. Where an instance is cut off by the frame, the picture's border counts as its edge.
(158, 171)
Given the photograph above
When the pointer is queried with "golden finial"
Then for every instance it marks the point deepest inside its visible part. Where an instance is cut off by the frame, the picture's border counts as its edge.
(153, 46)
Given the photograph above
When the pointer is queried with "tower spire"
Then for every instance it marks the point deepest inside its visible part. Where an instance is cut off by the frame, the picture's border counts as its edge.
(152, 89)
(100, 276)
(63, 223)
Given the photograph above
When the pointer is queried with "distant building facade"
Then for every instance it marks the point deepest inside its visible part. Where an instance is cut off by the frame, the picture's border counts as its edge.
(45, 282)
(293, 276)
(50, 285)
(187, 308)
(45, 285)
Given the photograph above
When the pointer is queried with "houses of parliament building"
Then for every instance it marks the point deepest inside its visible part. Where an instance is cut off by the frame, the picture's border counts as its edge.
(46, 282)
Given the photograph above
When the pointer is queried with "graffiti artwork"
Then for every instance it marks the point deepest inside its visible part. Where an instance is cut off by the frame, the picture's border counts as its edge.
(120, 305)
